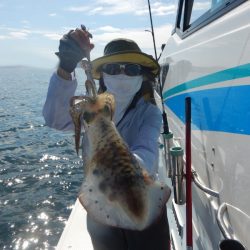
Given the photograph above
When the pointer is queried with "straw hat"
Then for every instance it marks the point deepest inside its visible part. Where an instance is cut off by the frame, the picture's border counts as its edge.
(124, 50)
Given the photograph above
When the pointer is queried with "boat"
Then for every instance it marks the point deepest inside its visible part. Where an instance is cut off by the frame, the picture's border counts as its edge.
(204, 90)
(206, 62)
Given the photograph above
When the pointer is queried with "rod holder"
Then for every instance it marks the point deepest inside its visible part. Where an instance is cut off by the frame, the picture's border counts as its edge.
(178, 175)
(169, 140)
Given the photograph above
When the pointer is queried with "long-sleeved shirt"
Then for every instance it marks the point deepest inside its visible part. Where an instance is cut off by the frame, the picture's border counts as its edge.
(140, 128)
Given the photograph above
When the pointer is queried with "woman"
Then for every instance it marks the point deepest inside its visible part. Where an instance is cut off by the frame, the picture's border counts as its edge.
(128, 74)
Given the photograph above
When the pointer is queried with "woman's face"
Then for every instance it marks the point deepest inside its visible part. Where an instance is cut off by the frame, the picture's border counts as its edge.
(122, 85)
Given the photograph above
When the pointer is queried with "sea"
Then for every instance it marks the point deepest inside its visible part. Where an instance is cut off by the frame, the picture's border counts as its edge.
(40, 173)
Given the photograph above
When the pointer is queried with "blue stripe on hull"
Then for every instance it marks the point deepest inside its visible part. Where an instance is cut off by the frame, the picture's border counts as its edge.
(221, 76)
(224, 109)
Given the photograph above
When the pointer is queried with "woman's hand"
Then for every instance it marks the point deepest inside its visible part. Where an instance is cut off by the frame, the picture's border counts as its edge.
(73, 47)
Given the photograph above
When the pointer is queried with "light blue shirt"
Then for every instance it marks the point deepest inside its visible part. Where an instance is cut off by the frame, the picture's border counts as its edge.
(140, 128)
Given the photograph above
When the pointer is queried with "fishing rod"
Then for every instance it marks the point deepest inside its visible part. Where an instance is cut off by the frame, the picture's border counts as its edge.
(164, 115)
(152, 28)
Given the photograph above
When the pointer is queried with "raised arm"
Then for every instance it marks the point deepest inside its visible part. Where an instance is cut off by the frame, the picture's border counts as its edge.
(73, 47)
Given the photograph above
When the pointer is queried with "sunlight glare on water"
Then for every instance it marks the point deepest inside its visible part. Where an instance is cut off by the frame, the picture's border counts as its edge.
(40, 173)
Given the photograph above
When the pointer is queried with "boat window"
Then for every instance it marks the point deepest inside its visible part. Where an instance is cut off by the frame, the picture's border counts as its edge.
(200, 7)
(195, 14)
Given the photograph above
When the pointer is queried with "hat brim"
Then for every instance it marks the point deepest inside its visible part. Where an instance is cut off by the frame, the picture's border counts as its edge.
(132, 57)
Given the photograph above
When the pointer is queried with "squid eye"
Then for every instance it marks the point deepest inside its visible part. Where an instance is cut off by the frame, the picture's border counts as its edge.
(106, 109)
(89, 116)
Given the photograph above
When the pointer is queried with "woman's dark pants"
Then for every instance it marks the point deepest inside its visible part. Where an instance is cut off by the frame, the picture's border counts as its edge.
(155, 237)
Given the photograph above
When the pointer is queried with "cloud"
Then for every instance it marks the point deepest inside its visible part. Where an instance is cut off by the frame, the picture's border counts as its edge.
(52, 14)
(96, 10)
(114, 7)
(25, 22)
(160, 9)
(144, 39)
(3, 37)
(109, 29)
(157, 9)
(53, 36)
(78, 8)
(15, 34)
(18, 35)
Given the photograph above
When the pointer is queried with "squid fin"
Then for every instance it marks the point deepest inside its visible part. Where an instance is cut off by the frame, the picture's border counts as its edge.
(115, 212)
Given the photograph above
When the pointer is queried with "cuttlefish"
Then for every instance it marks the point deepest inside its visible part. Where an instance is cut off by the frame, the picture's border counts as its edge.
(116, 190)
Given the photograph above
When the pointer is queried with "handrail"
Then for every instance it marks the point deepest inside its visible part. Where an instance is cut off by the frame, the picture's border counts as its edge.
(221, 211)
(202, 187)
(230, 242)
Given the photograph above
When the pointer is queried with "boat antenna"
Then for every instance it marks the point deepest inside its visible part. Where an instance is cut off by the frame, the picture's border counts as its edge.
(152, 29)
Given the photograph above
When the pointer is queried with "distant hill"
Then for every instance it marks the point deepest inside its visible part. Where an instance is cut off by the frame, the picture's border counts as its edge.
(21, 67)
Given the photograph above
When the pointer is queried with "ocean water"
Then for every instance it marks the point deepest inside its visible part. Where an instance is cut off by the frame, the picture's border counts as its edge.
(40, 173)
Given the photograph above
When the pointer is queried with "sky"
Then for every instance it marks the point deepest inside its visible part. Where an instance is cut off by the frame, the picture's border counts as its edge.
(30, 30)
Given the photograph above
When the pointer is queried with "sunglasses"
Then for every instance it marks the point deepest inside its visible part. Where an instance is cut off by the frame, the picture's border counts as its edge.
(130, 69)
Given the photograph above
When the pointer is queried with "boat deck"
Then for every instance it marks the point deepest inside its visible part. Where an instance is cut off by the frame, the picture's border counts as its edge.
(75, 235)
